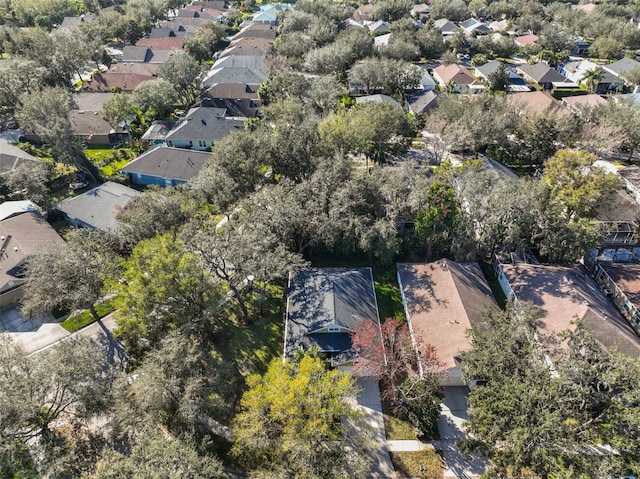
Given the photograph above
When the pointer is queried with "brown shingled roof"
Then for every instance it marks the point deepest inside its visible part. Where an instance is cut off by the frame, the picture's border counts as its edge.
(443, 299)
(165, 43)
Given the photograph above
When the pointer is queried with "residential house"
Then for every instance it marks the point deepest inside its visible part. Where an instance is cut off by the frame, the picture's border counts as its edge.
(97, 208)
(109, 82)
(20, 237)
(621, 283)
(138, 54)
(69, 23)
(257, 30)
(378, 99)
(442, 300)
(240, 50)
(458, 78)
(183, 27)
(149, 70)
(165, 166)
(9, 209)
(577, 104)
(241, 75)
(350, 23)
(165, 43)
(575, 71)
(580, 48)
(622, 68)
(516, 82)
(631, 177)
(265, 17)
(619, 216)
(446, 27)
(161, 32)
(11, 157)
(420, 102)
(544, 75)
(259, 42)
(324, 305)
(426, 81)
(536, 104)
(90, 127)
(473, 27)
(238, 99)
(378, 27)
(382, 40)
(240, 61)
(526, 40)
(199, 129)
(421, 11)
(564, 294)
(499, 25)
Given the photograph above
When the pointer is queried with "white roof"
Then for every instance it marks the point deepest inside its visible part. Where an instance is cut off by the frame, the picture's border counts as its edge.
(12, 208)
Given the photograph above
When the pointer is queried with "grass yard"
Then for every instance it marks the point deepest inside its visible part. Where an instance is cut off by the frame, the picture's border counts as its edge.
(78, 321)
(426, 464)
(396, 428)
(493, 284)
(389, 301)
(110, 160)
(253, 347)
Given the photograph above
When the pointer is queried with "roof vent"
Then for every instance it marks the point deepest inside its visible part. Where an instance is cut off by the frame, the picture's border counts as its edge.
(15, 248)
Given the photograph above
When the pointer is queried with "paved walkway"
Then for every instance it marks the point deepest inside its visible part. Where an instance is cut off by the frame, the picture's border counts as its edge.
(371, 407)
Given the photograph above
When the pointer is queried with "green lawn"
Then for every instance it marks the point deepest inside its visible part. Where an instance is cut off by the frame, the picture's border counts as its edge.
(493, 284)
(80, 320)
(396, 428)
(252, 347)
(426, 464)
(108, 159)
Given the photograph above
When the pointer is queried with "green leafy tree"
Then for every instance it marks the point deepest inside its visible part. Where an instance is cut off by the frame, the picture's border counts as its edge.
(436, 222)
(118, 109)
(182, 386)
(499, 79)
(156, 98)
(69, 382)
(592, 78)
(208, 39)
(69, 276)
(559, 412)
(181, 70)
(17, 76)
(164, 289)
(575, 185)
(607, 48)
(373, 129)
(283, 86)
(239, 253)
(157, 211)
(156, 455)
(273, 431)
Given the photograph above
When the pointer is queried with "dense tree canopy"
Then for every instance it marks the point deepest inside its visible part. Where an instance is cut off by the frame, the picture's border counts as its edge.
(530, 417)
(274, 433)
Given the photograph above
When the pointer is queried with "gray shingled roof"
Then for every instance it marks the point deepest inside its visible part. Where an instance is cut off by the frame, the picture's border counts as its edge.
(319, 298)
(11, 156)
(542, 73)
(204, 123)
(169, 163)
(97, 208)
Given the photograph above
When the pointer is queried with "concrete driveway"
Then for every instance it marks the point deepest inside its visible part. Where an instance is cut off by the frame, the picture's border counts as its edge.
(370, 406)
(30, 333)
(451, 426)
